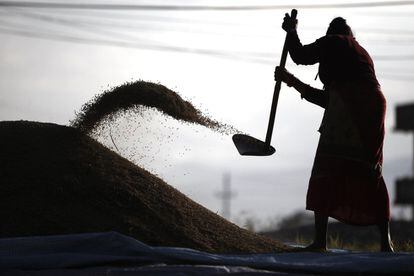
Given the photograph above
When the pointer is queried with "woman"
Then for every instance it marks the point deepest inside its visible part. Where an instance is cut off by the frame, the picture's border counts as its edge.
(346, 181)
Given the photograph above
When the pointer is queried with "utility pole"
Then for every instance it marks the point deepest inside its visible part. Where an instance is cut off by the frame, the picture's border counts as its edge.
(226, 195)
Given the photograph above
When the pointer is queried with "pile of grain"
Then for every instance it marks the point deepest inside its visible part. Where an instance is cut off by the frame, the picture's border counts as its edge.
(57, 180)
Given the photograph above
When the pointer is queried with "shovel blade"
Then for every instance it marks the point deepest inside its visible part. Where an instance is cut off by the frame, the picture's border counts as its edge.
(247, 145)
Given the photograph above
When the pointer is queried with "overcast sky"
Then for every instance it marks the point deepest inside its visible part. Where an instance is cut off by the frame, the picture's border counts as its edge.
(54, 60)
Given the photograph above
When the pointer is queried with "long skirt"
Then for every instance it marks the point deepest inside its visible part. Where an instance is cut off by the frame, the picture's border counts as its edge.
(347, 192)
(346, 183)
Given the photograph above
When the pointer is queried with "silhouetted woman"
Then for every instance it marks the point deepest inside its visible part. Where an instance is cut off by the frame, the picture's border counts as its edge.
(346, 181)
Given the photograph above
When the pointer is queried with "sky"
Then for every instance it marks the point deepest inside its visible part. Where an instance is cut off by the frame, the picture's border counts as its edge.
(53, 60)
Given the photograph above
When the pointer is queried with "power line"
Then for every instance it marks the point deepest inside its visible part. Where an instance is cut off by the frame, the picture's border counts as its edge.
(257, 57)
(153, 47)
(126, 41)
(124, 25)
(218, 54)
(88, 24)
(166, 18)
(89, 27)
(399, 14)
(394, 57)
(395, 77)
(364, 30)
(114, 24)
(51, 5)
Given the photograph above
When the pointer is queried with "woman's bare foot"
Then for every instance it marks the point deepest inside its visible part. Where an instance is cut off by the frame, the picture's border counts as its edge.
(315, 247)
(321, 228)
(386, 243)
(388, 247)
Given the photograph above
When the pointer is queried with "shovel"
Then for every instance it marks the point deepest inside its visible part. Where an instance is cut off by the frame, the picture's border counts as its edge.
(247, 145)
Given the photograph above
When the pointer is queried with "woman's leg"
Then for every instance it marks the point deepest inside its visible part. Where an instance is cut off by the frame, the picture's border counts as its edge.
(321, 229)
(386, 244)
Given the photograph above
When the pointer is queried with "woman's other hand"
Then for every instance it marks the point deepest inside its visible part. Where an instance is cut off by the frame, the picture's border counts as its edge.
(281, 74)
(289, 24)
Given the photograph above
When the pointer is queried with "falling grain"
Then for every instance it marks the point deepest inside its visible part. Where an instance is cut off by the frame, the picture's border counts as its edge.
(132, 97)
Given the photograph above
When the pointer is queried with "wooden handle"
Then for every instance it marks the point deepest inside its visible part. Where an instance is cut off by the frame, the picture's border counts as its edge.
(276, 91)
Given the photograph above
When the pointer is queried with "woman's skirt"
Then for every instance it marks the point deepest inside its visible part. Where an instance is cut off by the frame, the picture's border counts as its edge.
(347, 191)
(346, 181)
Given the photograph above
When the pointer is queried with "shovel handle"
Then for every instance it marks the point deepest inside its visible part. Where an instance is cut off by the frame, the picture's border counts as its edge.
(276, 91)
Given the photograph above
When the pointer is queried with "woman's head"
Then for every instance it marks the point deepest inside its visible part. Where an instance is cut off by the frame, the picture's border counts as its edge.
(338, 26)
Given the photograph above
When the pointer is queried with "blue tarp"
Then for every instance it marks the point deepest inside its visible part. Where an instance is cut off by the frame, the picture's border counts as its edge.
(116, 254)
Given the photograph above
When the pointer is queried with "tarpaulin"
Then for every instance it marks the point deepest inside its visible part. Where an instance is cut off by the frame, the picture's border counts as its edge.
(117, 254)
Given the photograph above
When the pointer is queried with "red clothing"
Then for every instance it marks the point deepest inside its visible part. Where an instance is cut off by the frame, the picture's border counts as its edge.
(340, 58)
(345, 181)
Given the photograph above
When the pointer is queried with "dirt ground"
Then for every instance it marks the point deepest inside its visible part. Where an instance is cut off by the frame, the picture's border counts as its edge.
(341, 235)
(55, 179)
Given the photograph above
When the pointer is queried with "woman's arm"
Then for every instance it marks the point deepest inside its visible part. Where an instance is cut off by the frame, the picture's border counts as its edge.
(311, 94)
(302, 54)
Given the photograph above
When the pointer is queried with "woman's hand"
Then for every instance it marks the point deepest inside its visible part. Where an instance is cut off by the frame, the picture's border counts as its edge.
(281, 74)
(289, 24)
